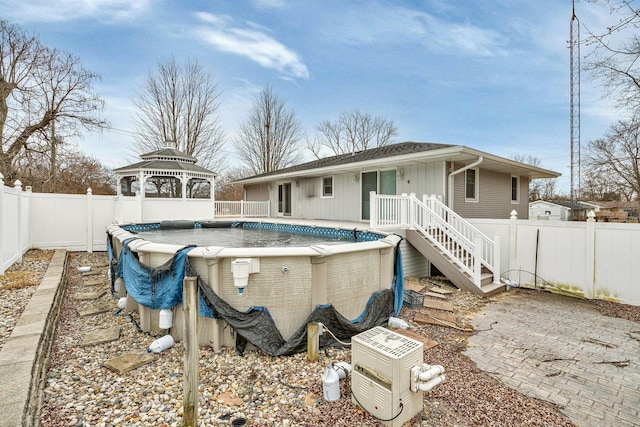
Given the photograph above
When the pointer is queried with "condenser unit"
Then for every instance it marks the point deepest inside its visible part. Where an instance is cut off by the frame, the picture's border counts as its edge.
(381, 380)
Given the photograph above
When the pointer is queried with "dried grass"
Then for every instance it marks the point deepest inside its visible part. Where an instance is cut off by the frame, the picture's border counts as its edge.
(19, 279)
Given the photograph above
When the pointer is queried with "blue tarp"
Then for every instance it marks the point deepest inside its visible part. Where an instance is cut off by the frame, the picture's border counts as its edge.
(161, 288)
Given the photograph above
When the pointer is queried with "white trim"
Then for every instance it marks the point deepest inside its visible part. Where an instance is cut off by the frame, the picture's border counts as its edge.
(476, 189)
(333, 187)
(517, 200)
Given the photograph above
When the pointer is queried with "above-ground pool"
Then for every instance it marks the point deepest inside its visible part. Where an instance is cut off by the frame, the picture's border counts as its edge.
(344, 269)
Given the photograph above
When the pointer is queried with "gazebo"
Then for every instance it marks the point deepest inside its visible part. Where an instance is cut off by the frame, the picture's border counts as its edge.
(166, 184)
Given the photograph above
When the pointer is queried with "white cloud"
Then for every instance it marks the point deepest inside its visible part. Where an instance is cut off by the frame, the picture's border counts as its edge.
(269, 4)
(69, 10)
(386, 24)
(251, 41)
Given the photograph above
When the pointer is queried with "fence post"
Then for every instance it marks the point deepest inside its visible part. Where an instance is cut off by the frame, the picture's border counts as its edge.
(29, 190)
(89, 220)
(18, 187)
(590, 261)
(241, 208)
(373, 209)
(191, 353)
(513, 245)
(1, 224)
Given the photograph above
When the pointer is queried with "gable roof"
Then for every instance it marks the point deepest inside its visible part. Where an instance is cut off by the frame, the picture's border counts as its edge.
(167, 158)
(397, 155)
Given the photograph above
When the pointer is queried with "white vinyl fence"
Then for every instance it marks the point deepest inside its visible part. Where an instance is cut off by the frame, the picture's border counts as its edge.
(595, 260)
(76, 222)
(599, 260)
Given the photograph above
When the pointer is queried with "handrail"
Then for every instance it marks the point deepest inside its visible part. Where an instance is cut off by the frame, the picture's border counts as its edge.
(465, 228)
(464, 244)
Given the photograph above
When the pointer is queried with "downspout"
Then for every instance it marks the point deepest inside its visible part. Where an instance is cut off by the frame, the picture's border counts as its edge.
(456, 172)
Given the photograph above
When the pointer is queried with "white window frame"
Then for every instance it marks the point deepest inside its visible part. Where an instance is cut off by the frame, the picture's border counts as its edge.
(517, 199)
(477, 186)
(322, 194)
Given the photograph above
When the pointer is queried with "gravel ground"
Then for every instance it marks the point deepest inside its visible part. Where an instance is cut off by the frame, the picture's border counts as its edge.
(17, 285)
(265, 390)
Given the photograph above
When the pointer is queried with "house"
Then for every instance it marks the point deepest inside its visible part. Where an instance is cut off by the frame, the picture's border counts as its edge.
(561, 210)
(473, 183)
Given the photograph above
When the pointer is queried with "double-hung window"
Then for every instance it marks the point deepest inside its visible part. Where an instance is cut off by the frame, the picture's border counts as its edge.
(471, 185)
(327, 186)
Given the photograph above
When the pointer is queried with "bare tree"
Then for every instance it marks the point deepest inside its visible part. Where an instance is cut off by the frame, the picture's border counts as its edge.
(353, 131)
(268, 138)
(45, 98)
(75, 173)
(180, 104)
(617, 157)
(617, 64)
(539, 189)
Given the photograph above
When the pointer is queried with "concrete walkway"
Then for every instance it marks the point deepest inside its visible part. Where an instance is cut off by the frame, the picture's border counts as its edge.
(24, 356)
(561, 350)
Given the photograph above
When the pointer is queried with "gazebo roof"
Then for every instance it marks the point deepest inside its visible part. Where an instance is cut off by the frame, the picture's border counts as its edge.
(167, 159)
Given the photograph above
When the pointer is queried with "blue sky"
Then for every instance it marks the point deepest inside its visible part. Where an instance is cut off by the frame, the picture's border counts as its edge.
(489, 74)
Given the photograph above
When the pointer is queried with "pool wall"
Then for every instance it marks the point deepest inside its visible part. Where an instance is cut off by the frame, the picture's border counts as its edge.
(290, 283)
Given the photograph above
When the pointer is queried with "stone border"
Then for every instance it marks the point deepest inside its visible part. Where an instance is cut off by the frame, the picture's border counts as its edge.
(25, 356)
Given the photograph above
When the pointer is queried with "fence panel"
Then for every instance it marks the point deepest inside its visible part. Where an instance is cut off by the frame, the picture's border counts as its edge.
(10, 237)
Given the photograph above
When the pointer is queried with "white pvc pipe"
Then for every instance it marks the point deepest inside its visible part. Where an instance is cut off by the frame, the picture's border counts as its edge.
(431, 384)
(431, 373)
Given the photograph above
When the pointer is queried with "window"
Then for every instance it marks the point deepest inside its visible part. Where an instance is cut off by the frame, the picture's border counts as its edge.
(327, 186)
(515, 189)
(471, 185)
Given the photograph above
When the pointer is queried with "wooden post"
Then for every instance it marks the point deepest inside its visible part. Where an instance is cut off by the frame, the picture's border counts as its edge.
(191, 353)
(313, 341)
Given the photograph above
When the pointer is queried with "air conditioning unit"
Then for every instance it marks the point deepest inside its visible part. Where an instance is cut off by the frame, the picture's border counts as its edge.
(381, 380)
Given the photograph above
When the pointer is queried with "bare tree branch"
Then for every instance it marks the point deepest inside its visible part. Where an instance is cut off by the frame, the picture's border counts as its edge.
(268, 138)
(180, 104)
(353, 131)
(40, 87)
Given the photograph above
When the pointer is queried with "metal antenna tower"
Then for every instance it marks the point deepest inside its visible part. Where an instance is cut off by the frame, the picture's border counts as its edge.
(574, 49)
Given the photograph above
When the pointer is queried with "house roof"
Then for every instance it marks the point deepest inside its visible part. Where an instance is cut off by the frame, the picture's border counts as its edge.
(163, 165)
(168, 153)
(167, 159)
(399, 155)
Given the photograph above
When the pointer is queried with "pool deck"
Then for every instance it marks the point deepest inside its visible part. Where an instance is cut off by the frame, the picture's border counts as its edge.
(362, 225)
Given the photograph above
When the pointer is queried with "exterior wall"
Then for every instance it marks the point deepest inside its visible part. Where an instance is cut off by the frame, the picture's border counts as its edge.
(494, 196)
(256, 192)
(423, 178)
(309, 203)
(345, 205)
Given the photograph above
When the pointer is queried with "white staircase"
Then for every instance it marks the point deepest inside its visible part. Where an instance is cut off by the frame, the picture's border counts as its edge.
(466, 256)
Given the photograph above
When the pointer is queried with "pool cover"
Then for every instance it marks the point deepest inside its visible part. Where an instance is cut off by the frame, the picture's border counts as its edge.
(161, 287)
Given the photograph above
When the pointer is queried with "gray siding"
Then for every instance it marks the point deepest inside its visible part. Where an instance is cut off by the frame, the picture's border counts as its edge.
(256, 192)
(344, 205)
(494, 196)
(413, 262)
(423, 178)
